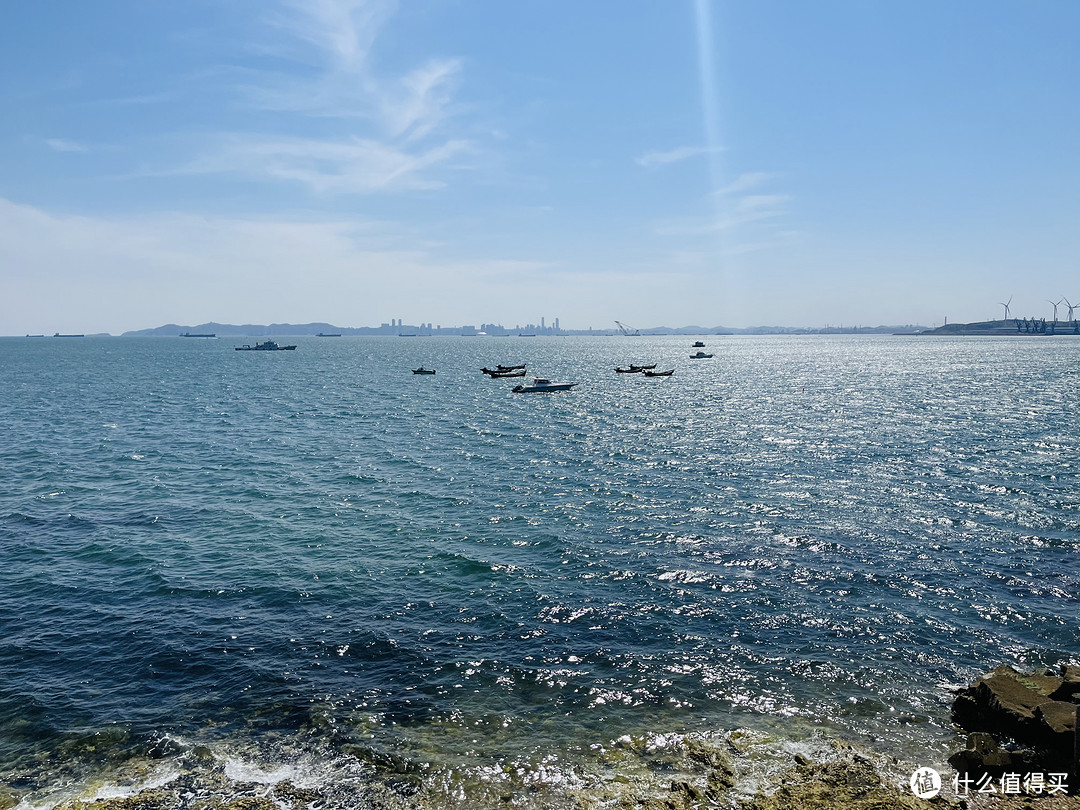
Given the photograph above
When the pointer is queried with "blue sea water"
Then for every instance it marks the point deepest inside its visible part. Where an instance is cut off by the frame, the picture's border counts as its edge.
(317, 560)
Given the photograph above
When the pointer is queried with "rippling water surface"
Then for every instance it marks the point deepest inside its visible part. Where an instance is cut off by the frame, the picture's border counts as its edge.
(436, 580)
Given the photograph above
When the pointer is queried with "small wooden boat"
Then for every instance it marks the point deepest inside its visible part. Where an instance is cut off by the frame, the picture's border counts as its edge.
(631, 370)
(542, 386)
(423, 370)
(501, 371)
(667, 373)
(501, 367)
(641, 368)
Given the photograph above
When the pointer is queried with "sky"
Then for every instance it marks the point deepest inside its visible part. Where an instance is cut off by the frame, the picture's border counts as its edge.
(659, 162)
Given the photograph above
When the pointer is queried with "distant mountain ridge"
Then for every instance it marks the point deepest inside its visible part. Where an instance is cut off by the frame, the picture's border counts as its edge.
(246, 330)
(284, 329)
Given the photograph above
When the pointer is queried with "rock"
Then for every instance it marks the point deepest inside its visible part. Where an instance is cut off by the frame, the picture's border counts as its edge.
(719, 782)
(700, 750)
(984, 755)
(690, 794)
(1059, 717)
(1024, 707)
(1070, 684)
(851, 784)
(720, 776)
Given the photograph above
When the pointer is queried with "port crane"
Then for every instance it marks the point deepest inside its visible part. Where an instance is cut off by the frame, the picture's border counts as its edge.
(629, 331)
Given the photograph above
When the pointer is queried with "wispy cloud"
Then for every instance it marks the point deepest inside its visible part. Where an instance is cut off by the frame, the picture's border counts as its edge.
(354, 165)
(340, 33)
(742, 212)
(64, 145)
(675, 155)
(746, 182)
(399, 121)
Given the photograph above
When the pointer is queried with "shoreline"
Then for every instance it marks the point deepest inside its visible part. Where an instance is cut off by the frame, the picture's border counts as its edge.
(741, 770)
(744, 768)
(797, 764)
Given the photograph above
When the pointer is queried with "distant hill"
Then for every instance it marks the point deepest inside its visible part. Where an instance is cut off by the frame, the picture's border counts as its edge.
(286, 329)
(248, 330)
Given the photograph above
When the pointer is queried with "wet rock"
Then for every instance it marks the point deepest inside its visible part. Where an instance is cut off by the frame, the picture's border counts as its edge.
(984, 755)
(851, 784)
(1025, 707)
(720, 776)
(285, 791)
(251, 803)
(687, 793)
(707, 753)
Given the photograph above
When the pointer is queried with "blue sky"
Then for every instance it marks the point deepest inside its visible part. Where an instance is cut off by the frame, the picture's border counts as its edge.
(665, 162)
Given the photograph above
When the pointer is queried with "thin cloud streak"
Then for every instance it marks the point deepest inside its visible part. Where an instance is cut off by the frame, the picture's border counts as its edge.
(64, 145)
(674, 155)
(746, 182)
(350, 166)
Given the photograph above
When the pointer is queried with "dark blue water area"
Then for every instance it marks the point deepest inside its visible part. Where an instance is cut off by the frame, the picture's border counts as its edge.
(800, 533)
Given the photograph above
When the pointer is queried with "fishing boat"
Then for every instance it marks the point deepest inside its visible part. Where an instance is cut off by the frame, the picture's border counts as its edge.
(700, 356)
(667, 373)
(636, 369)
(698, 345)
(630, 370)
(542, 386)
(505, 371)
(265, 346)
(423, 370)
(500, 375)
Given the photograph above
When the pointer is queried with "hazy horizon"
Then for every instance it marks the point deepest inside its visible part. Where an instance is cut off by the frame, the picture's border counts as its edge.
(352, 161)
(657, 330)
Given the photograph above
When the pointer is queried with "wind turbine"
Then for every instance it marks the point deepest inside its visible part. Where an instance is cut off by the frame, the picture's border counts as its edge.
(1070, 306)
(1055, 303)
(1006, 305)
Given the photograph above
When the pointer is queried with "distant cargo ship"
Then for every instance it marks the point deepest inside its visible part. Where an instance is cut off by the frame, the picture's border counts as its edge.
(333, 334)
(59, 335)
(195, 334)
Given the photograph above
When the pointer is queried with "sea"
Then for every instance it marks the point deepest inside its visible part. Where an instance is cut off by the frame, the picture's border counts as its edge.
(314, 571)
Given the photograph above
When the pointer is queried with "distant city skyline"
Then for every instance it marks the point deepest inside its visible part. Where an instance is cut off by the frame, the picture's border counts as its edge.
(704, 162)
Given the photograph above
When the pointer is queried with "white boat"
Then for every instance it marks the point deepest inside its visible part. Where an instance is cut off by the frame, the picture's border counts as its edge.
(700, 356)
(541, 386)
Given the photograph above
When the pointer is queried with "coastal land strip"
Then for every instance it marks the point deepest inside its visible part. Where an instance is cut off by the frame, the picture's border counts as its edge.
(1017, 724)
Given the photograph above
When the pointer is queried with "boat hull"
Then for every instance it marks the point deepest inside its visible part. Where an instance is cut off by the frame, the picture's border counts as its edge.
(542, 387)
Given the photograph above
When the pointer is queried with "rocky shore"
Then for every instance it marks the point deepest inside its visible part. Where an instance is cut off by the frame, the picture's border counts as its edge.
(1020, 723)
(1021, 754)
